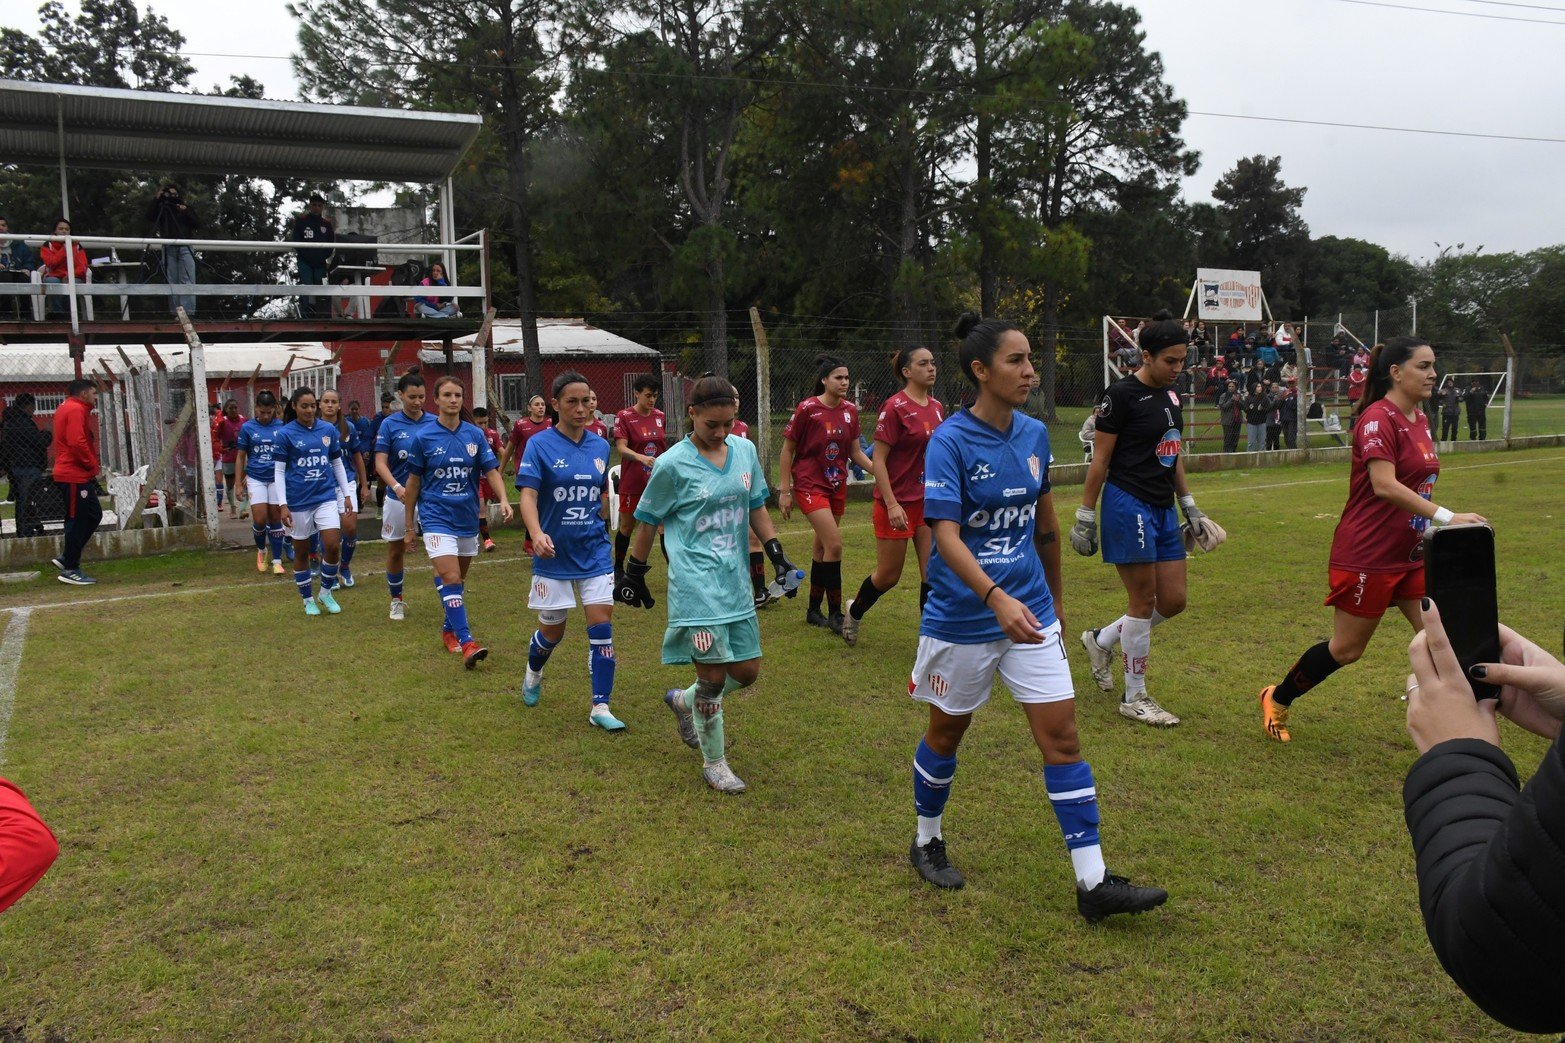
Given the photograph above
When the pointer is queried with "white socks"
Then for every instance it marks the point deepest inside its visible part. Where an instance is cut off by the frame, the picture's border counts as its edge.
(1135, 640)
(1109, 636)
(1088, 864)
(929, 829)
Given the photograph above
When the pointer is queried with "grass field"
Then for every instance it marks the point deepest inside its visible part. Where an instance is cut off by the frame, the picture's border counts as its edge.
(275, 827)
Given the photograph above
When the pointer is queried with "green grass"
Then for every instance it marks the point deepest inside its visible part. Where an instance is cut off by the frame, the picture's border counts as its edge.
(274, 827)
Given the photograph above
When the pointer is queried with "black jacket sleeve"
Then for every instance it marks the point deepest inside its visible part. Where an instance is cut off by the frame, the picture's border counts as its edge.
(1491, 877)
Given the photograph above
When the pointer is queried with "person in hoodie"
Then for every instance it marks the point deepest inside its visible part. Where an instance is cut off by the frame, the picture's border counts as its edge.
(76, 467)
(24, 453)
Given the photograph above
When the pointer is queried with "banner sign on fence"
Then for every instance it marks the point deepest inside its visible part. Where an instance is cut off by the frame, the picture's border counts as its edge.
(1227, 295)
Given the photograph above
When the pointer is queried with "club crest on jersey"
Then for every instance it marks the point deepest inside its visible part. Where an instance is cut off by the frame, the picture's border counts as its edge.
(1168, 447)
(325, 439)
(939, 685)
(541, 588)
(598, 463)
(1173, 396)
(1036, 467)
(702, 640)
(745, 478)
(472, 450)
(847, 418)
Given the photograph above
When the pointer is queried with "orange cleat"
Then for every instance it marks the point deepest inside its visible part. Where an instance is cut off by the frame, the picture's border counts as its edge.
(260, 561)
(452, 644)
(1273, 716)
(472, 652)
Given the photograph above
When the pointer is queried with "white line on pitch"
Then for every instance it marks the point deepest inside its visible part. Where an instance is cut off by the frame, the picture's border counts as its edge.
(1337, 480)
(10, 663)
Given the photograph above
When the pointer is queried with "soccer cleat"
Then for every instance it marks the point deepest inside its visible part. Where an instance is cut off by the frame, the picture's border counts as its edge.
(76, 578)
(346, 577)
(834, 623)
(762, 600)
(532, 687)
(602, 718)
(848, 627)
(932, 864)
(398, 609)
(1145, 709)
(488, 544)
(1116, 895)
(682, 714)
(452, 644)
(328, 602)
(311, 608)
(814, 618)
(260, 561)
(1274, 716)
(277, 567)
(473, 653)
(722, 778)
(1101, 660)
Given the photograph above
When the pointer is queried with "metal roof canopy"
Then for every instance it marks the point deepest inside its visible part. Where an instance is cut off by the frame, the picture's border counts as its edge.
(199, 134)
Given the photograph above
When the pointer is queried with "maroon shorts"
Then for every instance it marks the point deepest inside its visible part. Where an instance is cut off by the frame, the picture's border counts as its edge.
(883, 529)
(1369, 594)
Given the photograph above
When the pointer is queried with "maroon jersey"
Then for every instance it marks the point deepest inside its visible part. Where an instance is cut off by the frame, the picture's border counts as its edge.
(644, 435)
(597, 427)
(823, 437)
(905, 426)
(1373, 535)
(521, 431)
(493, 438)
(741, 429)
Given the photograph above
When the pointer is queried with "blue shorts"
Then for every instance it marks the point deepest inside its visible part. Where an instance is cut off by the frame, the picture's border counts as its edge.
(1135, 532)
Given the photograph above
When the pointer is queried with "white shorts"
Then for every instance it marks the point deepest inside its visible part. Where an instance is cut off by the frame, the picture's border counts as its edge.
(550, 593)
(959, 678)
(393, 520)
(320, 518)
(439, 545)
(261, 492)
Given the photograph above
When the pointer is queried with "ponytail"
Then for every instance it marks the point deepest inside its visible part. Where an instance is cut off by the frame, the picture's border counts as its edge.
(1394, 352)
(824, 365)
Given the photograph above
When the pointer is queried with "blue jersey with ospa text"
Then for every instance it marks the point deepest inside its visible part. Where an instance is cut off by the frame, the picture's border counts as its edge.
(450, 465)
(569, 477)
(307, 452)
(259, 442)
(395, 438)
(989, 481)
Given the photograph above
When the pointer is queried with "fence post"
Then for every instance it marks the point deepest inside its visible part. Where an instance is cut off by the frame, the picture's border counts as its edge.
(155, 474)
(203, 419)
(763, 395)
(1510, 385)
(480, 360)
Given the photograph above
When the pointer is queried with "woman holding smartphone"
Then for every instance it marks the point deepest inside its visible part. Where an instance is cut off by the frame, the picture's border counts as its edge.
(1377, 551)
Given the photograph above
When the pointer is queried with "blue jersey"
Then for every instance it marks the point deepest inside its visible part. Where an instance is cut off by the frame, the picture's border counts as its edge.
(395, 439)
(309, 479)
(259, 442)
(352, 446)
(989, 481)
(569, 477)
(361, 427)
(450, 465)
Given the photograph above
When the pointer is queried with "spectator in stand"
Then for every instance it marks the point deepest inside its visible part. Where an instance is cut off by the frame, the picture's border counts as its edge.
(312, 226)
(1216, 377)
(16, 263)
(1256, 374)
(55, 267)
(1356, 380)
(1450, 411)
(76, 467)
(24, 453)
(1273, 416)
(435, 307)
(1200, 340)
(1361, 356)
(1257, 403)
(1236, 345)
(1288, 408)
(1266, 351)
(225, 436)
(27, 847)
(1230, 413)
(172, 218)
(1477, 411)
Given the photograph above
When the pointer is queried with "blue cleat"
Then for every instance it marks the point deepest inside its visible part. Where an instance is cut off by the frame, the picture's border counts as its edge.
(346, 577)
(311, 608)
(328, 602)
(602, 718)
(532, 688)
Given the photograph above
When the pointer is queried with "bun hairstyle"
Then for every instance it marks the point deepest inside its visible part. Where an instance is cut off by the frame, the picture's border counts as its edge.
(902, 358)
(1394, 352)
(563, 381)
(712, 390)
(824, 365)
(265, 398)
(980, 339)
(291, 410)
(1162, 333)
(410, 379)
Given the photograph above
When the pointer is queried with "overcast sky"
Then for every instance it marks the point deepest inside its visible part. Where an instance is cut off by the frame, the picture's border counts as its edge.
(1335, 61)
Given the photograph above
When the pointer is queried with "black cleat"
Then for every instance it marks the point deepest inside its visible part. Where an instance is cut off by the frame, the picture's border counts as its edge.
(815, 619)
(834, 623)
(932, 864)
(1116, 895)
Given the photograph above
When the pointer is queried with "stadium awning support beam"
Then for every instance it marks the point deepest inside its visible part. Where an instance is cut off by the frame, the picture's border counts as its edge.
(65, 195)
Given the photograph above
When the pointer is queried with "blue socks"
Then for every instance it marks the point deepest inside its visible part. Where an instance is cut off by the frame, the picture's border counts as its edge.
(258, 533)
(539, 650)
(349, 545)
(275, 533)
(456, 611)
(306, 583)
(394, 583)
(932, 775)
(1074, 795)
(600, 655)
(328, 575)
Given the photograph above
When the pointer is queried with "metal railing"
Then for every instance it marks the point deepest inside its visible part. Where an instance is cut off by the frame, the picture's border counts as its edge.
(72, 288)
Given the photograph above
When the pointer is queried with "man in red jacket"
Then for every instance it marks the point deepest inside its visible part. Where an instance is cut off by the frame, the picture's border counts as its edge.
(27, 847)
(75, 448)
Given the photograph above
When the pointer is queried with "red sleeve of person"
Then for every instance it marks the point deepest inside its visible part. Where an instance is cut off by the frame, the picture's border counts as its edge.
(27, 847)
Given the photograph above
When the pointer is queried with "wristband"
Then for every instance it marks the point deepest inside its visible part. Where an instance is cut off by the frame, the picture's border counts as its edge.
(992, 588)
(774, 553)
(1442, 516)
(1186, 502)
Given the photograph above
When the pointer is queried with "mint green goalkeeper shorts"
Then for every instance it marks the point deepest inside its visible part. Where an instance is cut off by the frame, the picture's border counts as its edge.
(734, 642)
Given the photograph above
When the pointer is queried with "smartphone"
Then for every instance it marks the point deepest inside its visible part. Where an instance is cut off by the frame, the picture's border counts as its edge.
(1459, 576)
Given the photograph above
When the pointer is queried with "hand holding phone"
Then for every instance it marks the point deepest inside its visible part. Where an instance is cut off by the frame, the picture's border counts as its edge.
(1459, 576)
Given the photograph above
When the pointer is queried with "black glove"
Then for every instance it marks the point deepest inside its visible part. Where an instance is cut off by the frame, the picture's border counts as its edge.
(785, 568)
(632, 589)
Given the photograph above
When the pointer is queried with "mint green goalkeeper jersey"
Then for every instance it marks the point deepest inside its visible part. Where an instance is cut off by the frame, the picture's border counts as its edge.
(705, 514)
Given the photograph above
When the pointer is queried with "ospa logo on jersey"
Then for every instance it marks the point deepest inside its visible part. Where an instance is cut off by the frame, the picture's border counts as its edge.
(1168, 447)
(702, 640)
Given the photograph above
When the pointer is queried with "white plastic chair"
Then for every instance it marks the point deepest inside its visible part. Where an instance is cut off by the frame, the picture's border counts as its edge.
(126, 490)
(614, 498)
(40, 300)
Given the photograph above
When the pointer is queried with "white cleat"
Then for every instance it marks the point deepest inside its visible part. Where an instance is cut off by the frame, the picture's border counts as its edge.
(600, 717)
(397, 609)
(1146, 710)
(850, 626)
(1101, 659)
(722, 778)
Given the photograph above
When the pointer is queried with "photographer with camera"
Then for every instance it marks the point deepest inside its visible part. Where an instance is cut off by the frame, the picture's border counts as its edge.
(1491, 873)
(172, 218)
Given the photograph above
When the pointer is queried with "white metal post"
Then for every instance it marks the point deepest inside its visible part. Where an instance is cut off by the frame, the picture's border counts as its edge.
(448, 230)
(198, 392)
(65, 195)
(763, 394)
(480, 365)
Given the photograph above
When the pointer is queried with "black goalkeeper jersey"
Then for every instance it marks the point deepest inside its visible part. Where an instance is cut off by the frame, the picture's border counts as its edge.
(1148, 422)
